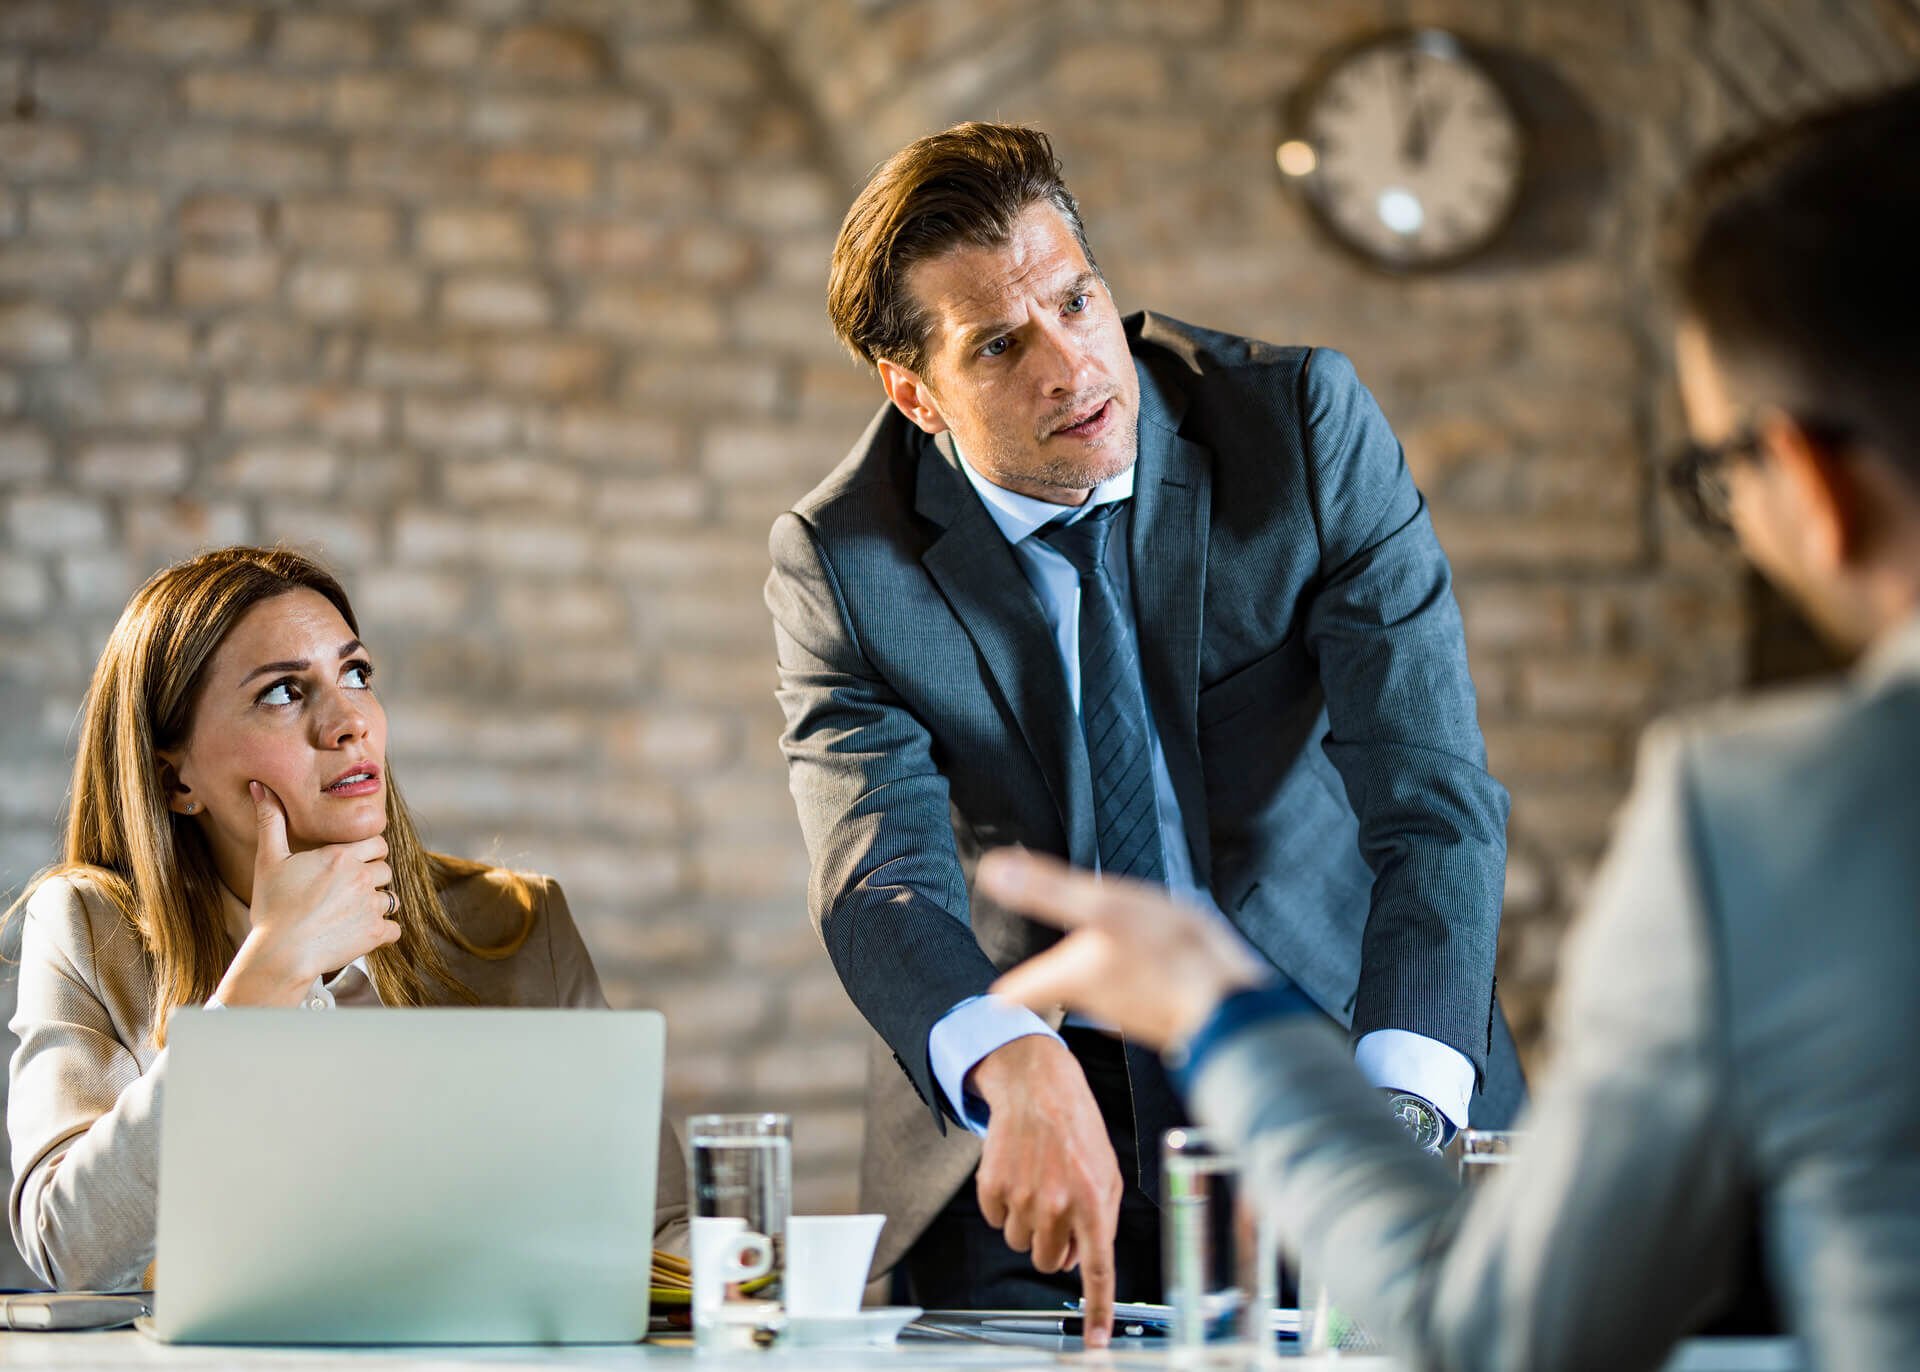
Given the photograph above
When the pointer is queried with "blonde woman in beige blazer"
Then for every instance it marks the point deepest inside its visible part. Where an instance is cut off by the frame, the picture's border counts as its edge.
(235, 839)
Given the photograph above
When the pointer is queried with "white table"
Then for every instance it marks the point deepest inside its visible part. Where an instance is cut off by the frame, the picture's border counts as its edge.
(124, 1349)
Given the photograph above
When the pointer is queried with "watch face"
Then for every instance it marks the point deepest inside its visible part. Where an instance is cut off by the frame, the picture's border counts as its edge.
(1421, 1120)
(1407, 151)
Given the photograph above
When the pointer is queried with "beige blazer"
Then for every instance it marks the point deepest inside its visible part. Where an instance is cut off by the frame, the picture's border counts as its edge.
(83, 1114)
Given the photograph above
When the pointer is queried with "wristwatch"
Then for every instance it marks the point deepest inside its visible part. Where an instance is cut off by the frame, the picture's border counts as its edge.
(1430, 1128)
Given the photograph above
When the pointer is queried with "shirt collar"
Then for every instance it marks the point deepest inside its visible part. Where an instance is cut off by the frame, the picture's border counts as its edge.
(1018, 516)
(1896, 654)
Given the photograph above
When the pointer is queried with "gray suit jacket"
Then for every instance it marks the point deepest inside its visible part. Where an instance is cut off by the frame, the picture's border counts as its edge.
(1305, 667)
(1736, 1031)
(83, 1113)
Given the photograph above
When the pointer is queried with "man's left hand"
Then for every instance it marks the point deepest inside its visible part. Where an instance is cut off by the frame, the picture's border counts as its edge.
(1134, 959)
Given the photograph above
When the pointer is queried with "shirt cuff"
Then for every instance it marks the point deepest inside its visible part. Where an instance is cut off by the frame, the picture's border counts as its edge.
(965, 1035)
(1401, 1060)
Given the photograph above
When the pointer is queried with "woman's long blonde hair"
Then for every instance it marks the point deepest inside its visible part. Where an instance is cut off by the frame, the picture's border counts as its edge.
(152, 863)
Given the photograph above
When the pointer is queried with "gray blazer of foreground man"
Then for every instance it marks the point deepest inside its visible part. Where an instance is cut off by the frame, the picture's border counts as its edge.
(1733, 1065)
(1738, 1016)
(1304, 665)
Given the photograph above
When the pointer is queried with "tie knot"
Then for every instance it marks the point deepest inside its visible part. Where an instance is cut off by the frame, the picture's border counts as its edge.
(1084, 541)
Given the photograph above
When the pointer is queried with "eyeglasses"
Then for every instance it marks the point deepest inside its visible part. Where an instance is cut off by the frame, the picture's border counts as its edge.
(1697, 476)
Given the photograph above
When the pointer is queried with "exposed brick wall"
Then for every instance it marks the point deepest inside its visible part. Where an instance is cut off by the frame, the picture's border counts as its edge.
(512, 310)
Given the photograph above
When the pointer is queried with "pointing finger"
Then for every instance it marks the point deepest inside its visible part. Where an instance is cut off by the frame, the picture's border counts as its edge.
(1096, 1283)
(1040, 887)
(1063, 975)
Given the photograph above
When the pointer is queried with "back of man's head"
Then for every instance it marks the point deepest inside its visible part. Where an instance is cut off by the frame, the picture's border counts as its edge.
(1796, 255)
(964, 185)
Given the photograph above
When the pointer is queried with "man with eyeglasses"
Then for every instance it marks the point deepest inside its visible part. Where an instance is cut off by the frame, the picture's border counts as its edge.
(1738, 1015)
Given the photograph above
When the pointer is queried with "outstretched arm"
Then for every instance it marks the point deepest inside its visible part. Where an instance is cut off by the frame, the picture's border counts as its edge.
(1612, 1227)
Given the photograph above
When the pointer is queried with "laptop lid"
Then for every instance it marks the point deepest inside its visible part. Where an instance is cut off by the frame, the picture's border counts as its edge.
(408, 1176)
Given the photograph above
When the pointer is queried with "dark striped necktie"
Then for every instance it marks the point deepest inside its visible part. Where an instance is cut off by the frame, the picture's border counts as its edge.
(1113, 711)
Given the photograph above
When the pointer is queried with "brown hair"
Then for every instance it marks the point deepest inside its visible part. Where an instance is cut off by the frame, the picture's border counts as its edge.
(965, 185)
(1795, 251)
(152, 863)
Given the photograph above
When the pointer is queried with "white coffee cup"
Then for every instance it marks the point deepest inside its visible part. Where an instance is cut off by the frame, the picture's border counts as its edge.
(725, 1252)
(827, 1261)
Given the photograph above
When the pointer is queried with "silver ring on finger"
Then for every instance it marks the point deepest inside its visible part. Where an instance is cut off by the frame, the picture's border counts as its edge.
(393, 904)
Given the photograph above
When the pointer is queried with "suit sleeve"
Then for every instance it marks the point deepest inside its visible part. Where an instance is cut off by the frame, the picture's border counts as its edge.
(577, 984)
(1613, 1228)
(887, 894)
(82, 1119)
(1386, 634)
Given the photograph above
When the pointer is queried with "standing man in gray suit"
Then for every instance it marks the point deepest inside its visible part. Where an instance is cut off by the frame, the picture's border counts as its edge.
(1161, 600)
(1738, 1016)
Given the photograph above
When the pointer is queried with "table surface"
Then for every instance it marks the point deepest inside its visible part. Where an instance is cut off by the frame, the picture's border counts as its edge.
(125, 1348)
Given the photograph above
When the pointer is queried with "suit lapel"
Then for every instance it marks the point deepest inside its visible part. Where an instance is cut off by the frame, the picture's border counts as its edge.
(988, 593)
(1167, 551)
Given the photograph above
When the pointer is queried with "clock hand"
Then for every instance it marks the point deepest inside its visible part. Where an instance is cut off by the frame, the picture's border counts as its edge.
(1426, 117)
(1412, 140)
(1431, 113)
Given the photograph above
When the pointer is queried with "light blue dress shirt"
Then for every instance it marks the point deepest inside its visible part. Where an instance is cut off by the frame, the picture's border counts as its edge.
(1395, 1058)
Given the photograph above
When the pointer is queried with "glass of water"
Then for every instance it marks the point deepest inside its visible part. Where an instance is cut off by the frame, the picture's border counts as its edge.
(1201, 1248)
(1325, 1328)
(1482, 1151)
(740, 1168)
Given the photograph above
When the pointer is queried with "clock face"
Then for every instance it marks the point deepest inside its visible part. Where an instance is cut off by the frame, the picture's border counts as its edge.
(1407, 151)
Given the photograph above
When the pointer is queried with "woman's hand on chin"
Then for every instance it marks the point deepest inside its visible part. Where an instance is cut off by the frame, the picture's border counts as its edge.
(312, 912)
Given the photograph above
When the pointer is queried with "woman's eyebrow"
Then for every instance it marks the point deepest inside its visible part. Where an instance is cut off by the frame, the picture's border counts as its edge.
(299, 664)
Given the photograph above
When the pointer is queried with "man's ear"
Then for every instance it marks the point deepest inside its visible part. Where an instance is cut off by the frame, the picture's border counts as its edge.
(1828, 503)
(910, 396)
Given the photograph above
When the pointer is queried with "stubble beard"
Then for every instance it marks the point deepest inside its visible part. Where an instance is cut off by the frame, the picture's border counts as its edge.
(1081, 472)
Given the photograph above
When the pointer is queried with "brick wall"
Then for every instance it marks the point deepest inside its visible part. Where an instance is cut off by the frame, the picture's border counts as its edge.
(512, 310)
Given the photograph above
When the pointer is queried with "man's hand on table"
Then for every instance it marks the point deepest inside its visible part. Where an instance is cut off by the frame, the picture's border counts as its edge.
(1048, 1178)
(1133, 958)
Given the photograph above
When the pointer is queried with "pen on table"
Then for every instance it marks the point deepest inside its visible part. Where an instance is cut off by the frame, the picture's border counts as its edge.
(1070, 1326)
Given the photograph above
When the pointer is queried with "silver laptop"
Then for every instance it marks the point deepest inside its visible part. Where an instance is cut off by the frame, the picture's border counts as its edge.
(408, 1176)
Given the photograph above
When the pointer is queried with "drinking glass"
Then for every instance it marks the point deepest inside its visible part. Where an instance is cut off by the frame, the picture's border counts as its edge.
(741, 1174)
(1482, 1151)
(1201, 1248)
(1324, 1327)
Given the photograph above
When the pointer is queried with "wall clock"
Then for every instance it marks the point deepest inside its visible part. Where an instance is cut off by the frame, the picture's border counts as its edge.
(1405, 150)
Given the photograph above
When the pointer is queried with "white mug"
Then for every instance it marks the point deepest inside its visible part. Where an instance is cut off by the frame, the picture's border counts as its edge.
(827, 1261)
(725, 1252)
